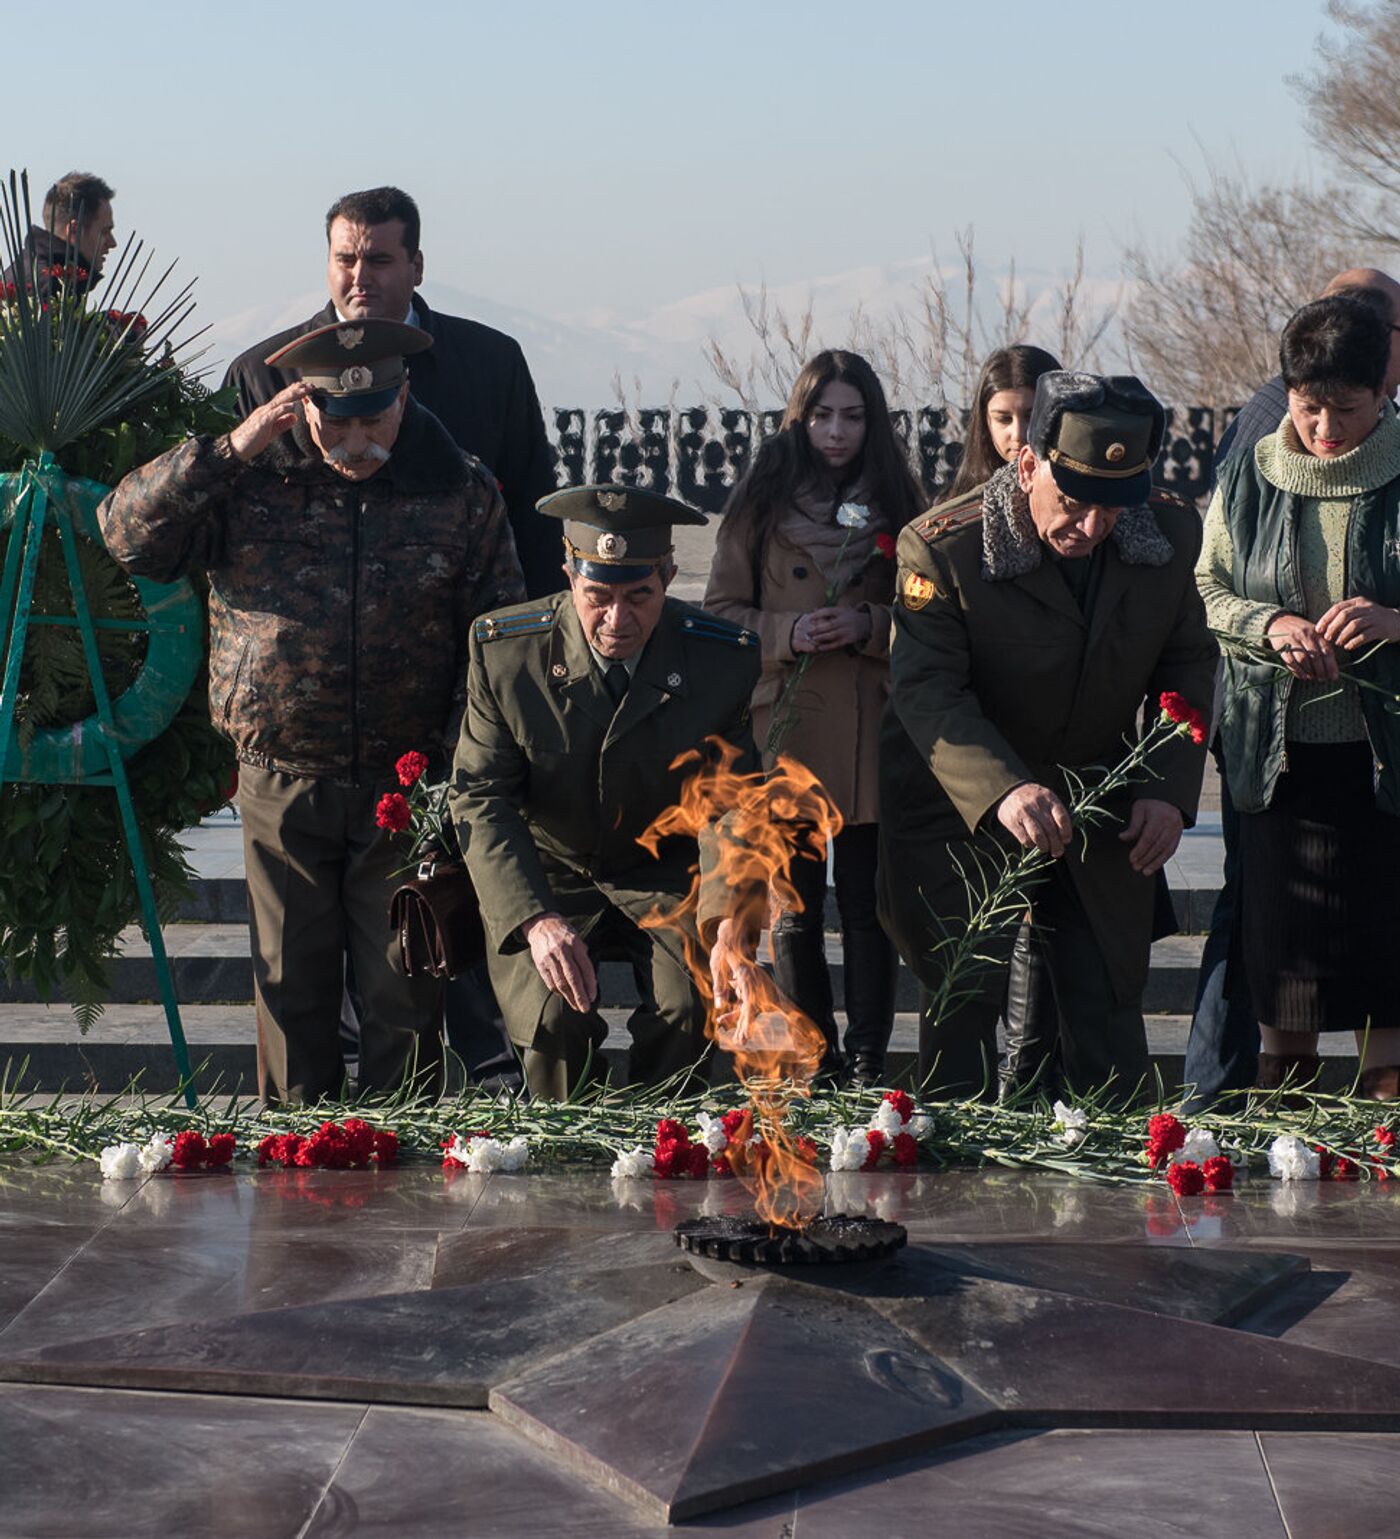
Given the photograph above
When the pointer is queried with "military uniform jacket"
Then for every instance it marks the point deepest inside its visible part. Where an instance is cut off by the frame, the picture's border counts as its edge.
(476, 382)
(550, 772)
(997, 679)
(339, 610)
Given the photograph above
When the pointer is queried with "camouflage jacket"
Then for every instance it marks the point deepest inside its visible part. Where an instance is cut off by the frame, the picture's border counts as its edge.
(339, 611)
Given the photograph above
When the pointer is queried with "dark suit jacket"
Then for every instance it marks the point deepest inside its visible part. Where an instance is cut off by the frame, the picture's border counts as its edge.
(476, 382)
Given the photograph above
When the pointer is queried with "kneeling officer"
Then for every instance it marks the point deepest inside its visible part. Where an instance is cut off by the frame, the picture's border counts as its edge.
(578, 705)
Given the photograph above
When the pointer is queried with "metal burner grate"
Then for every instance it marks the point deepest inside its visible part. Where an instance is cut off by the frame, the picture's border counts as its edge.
(824, 1242)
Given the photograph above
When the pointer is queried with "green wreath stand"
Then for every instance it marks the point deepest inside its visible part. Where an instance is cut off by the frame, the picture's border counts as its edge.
(93, 752)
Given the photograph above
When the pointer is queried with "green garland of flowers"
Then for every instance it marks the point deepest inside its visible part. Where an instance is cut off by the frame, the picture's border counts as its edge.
(1095, 1142)
(67, 888)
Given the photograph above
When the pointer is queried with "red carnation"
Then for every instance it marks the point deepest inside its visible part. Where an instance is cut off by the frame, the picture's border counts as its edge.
(359, 1136)
(737, 1125)
(876, 1141)
(697, 1162)
(268, 1150)
(1346, 1168)
(411, 767)
(668, 1130)
(1186, 1178)
(188, 1150)
(902, 1102)
(884, 543)
(906, 1149)
(1219, 1173)
(1179, 709)
(806, 1150)
(1165, 1135)
(386, 1146)
(1385, 1137)
(393, 812)
(220, 1150)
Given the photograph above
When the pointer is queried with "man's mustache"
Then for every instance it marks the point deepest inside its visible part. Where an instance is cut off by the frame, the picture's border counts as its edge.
(340, 455)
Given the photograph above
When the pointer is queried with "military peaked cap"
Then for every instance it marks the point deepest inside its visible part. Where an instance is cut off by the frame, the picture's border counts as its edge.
(355, 367)
(617, 533)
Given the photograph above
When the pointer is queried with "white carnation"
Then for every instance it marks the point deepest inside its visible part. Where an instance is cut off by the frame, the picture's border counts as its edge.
(515, 1154)
(1072, 1122)
(712, 1134)
(156, 1153)
(919, 1126)
(634, 1165)
(849, 1148)
(853, 515)
(1200, 1146)
(484, 1156)
(887, 1120)
(1290, 1159)
(458, 1150)
(121, 1162)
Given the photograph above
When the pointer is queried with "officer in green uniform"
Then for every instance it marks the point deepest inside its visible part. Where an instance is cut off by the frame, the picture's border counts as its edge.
(578, 707)
(1035, 620)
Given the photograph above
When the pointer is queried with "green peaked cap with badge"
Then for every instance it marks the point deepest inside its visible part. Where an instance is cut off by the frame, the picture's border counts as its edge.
(616, 533)
(354, 367)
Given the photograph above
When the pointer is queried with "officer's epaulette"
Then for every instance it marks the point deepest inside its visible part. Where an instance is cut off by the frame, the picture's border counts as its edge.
(1162, 497)
(708, 627)
(948, 517)
(527, 622)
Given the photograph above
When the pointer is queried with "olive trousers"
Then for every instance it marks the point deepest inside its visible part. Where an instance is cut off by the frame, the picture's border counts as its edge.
(320, 875)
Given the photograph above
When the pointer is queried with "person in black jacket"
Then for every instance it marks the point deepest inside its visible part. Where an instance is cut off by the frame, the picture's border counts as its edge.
(67, 251)
(473, 379)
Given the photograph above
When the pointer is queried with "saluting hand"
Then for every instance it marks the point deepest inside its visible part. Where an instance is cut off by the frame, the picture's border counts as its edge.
(562, 960)
(1034, 815)
(264, 423)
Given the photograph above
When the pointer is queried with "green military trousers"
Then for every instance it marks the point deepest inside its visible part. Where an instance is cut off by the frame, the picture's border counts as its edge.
(559, 1044)
(320, 876)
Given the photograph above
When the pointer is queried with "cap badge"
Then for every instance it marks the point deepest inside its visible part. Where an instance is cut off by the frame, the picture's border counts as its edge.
(612, 502)
(357, 378)
(1115, 452)
(350, 336)
(917, 590)
(673, 681)
(558, 670)
(611, 545)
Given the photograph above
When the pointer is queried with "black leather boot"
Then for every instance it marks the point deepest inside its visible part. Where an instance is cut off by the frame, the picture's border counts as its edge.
(1032, 1023)
(872, 969)
(800, 971)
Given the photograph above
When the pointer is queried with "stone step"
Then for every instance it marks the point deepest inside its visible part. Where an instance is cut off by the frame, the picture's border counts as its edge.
(210, 966)
(42, 1047)
(224, 900)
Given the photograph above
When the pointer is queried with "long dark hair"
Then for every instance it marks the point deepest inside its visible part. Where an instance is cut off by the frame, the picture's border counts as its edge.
(786, 462)
(1009, 368)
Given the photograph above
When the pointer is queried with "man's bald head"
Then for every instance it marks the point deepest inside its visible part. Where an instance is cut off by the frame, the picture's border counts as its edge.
(1372, 280)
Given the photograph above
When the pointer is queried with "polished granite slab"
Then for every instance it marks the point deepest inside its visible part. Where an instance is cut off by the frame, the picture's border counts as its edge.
(1202, 1347)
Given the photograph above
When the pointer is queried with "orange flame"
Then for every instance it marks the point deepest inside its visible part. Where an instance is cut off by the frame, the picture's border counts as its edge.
(760, 824)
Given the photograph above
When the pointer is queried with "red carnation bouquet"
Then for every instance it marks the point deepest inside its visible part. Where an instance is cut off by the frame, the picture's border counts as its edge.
(421, 813)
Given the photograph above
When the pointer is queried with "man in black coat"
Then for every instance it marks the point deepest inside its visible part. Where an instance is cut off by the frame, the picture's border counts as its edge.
(473, 379)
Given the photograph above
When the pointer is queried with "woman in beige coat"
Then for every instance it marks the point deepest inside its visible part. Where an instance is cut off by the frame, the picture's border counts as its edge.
(804, 557)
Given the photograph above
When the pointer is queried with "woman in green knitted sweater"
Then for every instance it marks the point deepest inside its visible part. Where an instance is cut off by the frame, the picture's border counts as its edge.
(1302, 558)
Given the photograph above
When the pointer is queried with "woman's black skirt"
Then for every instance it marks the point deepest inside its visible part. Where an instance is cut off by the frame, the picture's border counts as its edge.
(1320, 921)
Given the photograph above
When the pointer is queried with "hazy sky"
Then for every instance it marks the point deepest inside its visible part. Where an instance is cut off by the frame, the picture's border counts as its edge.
(592, 162)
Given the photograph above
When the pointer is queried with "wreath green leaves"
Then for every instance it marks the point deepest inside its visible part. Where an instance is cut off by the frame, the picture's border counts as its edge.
(103, 391)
